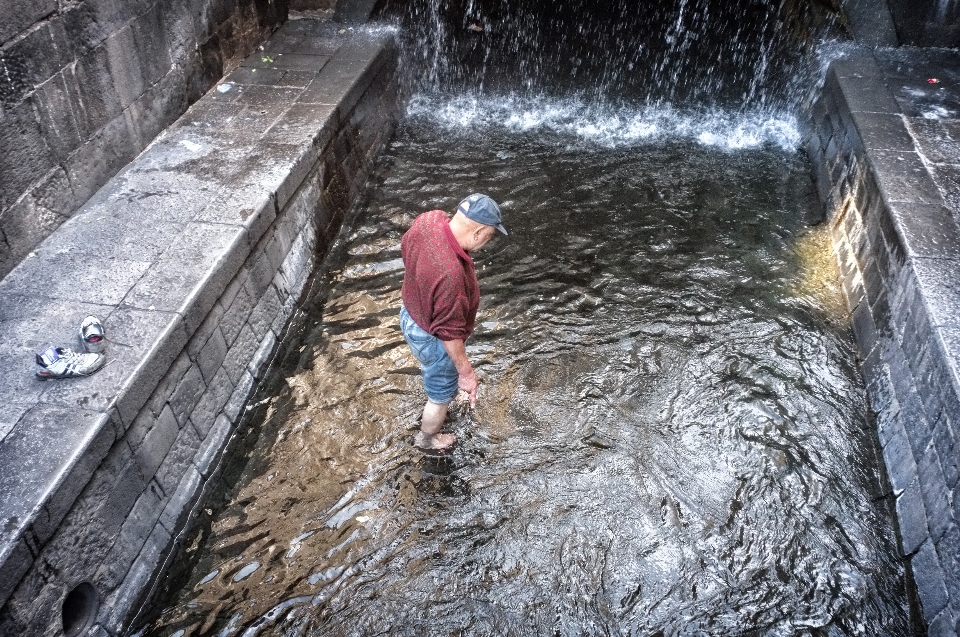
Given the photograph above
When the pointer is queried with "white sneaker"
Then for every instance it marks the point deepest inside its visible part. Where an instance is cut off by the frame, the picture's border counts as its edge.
(63, 362)
(91, 335)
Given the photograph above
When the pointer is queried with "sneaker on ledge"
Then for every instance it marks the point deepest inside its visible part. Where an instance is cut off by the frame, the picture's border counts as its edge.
(91, 335)
(63, 362)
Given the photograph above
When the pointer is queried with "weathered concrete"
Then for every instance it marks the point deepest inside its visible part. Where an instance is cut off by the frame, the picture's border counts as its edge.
(886, 150)
(85, 85)
(194, 257)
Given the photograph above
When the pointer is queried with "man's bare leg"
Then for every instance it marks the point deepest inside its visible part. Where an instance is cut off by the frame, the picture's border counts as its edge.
(430, 425)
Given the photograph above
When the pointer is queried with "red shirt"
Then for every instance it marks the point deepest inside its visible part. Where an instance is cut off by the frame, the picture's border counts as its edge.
(440, 289)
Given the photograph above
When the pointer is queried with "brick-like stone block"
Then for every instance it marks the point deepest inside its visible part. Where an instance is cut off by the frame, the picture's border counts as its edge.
(936, 496)
(240, 354)
(187, 394)
(175, 463)
(928, 574)
(169, 383)
(134, 532)
(239, 397)
(265, 312)
(213, 446)
(211, 356)
(178, 506)
(157, 443)
(19, 15)
(211, 403)
(235, 316)
(898, 457)
(950, 562)
(128, 596)
(912, 517)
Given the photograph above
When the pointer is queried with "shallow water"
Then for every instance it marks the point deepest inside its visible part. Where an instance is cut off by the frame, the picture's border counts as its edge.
(671, 436)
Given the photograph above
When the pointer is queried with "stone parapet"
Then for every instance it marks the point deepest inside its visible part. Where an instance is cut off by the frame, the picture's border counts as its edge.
(194, 257)
(898, 244)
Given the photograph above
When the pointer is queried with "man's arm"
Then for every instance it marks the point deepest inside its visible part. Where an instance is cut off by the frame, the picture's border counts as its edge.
(468, 379)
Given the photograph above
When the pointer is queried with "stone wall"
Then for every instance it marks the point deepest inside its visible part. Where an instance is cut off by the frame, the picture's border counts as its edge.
(85, 85)
(100, 475)
(926, 22)
(898, 246)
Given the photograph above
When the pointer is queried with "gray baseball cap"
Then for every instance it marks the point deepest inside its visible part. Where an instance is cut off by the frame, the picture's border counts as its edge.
(482, 209)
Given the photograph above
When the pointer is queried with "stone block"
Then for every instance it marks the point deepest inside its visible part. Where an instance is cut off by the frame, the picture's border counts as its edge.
(19, 15)
(180, 503)
(288, 62)
(265, 313)
(936, 279)
(943, 625)
(39, 482)
(15, 560)
(240, 354)
(175, 463)
(864, 94)
(901, 466)
(211, 355)
(945, 441)
(238, 399)
(933, 140)
(864, 329)
(33, 58)
(168, 384)
(129, 595)
(913, 519)
(950, 562)
(123, 60)
(187, 394)
(936, 496)
(157, 444)
(153, 51)
(903, 177)
(203, 261)
(159, 106)
(134, 532)
(25, 153)
(340, 83)
(928, 574)
(235, 316)
(927, 230)
(211, 450)
(883, 131)
(212, 402)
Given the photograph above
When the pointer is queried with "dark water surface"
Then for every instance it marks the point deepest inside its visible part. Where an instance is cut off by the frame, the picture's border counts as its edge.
(671, 437)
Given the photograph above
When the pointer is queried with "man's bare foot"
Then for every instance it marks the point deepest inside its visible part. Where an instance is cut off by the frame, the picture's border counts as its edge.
(435, 442)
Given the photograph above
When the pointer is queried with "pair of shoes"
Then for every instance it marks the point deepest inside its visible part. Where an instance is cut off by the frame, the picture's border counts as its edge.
(63, 362)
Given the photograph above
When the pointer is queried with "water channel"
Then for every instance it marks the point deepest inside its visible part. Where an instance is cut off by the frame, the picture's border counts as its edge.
(672, 436)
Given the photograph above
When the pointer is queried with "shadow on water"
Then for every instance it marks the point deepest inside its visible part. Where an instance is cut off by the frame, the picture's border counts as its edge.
(671, 437)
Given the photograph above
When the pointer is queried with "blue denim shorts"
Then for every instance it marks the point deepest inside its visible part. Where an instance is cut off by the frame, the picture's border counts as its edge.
(440, 377)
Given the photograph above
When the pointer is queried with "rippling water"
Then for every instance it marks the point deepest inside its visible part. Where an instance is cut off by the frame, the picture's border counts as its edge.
(671, 437)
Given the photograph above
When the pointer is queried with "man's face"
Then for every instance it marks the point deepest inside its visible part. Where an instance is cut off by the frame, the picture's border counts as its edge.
(481, 236)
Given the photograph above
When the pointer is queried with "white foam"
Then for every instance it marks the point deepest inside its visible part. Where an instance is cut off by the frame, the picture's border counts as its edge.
(607, 125)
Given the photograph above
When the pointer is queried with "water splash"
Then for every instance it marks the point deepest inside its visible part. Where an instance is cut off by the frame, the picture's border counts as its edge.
(606, 125)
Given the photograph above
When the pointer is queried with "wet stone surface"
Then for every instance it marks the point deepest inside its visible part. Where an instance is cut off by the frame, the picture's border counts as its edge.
(671, 436)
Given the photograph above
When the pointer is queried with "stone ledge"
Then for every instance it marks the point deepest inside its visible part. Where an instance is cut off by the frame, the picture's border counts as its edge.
(884, 171)
(153, 254)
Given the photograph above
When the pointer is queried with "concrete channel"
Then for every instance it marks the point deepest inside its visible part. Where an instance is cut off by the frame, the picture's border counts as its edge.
(196, 252)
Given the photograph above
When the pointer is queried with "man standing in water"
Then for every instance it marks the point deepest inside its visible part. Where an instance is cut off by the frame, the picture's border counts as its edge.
(440, 300)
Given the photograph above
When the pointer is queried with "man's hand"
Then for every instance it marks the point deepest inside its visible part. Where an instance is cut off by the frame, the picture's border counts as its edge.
(468, 379)
(469, 384)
